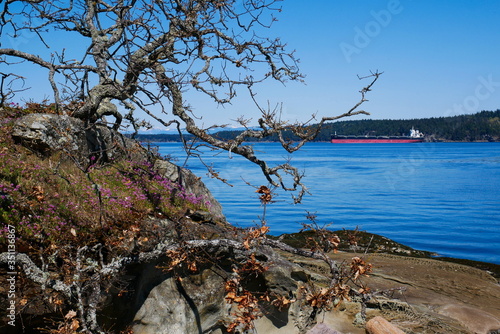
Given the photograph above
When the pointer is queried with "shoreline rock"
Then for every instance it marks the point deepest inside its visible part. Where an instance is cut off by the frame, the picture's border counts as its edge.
(379, 244)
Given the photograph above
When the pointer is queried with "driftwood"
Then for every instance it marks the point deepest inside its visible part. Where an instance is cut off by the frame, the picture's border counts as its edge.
(379, 325)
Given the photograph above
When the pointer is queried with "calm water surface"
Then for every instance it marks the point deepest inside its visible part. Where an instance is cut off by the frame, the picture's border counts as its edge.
(440, 197)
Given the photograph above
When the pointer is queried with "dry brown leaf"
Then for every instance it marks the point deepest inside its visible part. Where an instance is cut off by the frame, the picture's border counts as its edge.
(70, 315)
(75, 324)
(38, 192)
(192, 266)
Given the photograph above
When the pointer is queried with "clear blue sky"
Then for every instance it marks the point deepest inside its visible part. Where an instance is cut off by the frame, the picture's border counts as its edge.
(439, 58)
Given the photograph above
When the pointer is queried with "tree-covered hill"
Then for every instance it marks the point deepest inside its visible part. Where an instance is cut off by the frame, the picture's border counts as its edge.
(482, 126)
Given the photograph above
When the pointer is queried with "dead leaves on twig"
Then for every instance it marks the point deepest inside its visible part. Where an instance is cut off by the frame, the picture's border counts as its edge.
(333, 243)
(321, 299)
(180, 257)
(353, 237)
(281, 302)
(69, 325)
(246, 303)
(266, 195)
(322, 240)
(359, 268)
(255, 234)
(242, 299)
(326, 298)
(38, 193)
(56, 300)
(252, 267)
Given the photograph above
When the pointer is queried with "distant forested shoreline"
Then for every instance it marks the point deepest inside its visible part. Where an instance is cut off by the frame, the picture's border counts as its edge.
(482, 126)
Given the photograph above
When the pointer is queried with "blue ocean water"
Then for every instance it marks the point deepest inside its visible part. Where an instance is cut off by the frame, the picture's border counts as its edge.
(439, 197)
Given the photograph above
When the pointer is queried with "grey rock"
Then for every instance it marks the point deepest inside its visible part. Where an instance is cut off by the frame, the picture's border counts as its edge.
(194, 304)
(96, 143)
(192, 184)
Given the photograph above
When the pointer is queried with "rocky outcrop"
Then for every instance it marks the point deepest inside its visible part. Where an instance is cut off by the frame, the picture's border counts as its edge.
(433, 297)
(48, 133)
(424, 300)
(196, 303)
(98, 144)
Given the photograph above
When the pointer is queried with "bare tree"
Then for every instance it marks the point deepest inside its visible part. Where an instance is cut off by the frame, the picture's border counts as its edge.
(146, 54)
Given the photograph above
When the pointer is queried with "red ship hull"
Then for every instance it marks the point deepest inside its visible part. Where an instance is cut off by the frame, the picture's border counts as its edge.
(374, 140)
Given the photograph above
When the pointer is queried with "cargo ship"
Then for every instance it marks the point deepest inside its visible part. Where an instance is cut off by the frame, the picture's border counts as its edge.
(414, 137)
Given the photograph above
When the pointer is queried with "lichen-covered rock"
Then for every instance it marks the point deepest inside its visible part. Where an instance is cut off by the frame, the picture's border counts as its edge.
(96, 143)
